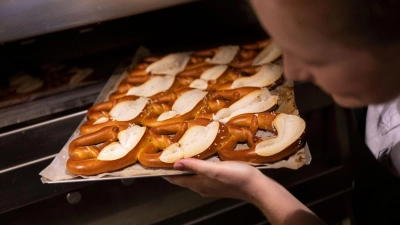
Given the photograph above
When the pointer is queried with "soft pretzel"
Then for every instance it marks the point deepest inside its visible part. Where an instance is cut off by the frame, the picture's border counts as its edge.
(213, 77)
(140, 68)
(175, 107)
(195, 71)
(218, 100)
(198, 138)
(288, 137)
(125, 110)
(143, 63)
(154, 87)
(108, 149)
(190, 103)
(259, 53)
(268, 76)
(220, 55)
(132, 81)
(256, 101)
(170, 64)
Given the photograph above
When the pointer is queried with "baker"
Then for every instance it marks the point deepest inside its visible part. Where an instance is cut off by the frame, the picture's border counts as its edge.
(350, 49)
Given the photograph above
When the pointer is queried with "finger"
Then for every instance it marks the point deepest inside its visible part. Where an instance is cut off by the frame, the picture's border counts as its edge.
(197, 166)
(180, 180)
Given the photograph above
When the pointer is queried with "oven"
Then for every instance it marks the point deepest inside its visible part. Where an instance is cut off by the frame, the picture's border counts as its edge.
(103, 36)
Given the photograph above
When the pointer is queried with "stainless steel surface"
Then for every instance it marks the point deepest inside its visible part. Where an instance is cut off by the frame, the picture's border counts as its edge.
(50, 104)
(27, 18)
(36, 143)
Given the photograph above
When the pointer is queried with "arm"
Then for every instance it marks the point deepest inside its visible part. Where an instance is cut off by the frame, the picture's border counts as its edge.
(238, 180)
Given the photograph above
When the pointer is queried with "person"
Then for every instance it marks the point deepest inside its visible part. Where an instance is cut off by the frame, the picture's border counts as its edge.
(350, 49)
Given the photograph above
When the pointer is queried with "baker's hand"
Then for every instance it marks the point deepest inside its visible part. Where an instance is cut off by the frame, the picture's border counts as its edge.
(226, 179)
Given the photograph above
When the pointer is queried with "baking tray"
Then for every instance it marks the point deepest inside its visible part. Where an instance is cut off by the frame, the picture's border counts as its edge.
(56, 171)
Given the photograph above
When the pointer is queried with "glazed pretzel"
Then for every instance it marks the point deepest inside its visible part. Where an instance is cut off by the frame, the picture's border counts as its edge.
(210, 104)
(168, 108)
(211, 77)
(267, 76)
(255, 54)
(140, 68)
(218, 100)
(166, 84)
(99, 115)
(108, 149)
(221, 55)
(180, 140)
(132, 81)
(288, 131)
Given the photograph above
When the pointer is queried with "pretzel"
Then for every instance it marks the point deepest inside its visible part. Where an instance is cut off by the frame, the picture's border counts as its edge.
(255, 101)
(195, 71)
(140, 68)
(154, 87)
(175, 107)
(289, 136)
(132, 81)
(108, 149)
(198, 138)
(210, 78)
(125, 110)
(192, 103)
(259, 53)
(214, 56)
(268, 76)
(218, 100)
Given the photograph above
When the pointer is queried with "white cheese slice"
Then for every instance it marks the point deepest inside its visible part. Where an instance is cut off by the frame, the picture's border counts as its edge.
(102, 119)
(170, 64)
(199, 84)
(267, 75)
(153, 86)
(128, 139)
(224, 54)
(254, 102)
(188, 100)
(270, 53)
(166, 115)
(184, 104)
(289, 129)
(195, 140)
(212, 73)
(112, 151)
(128, 110)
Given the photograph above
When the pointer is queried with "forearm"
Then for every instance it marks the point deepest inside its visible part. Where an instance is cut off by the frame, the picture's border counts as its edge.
(239, 180)
(279, 206)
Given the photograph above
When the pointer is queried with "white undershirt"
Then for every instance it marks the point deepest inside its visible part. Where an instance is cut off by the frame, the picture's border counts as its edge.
(382, 134)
